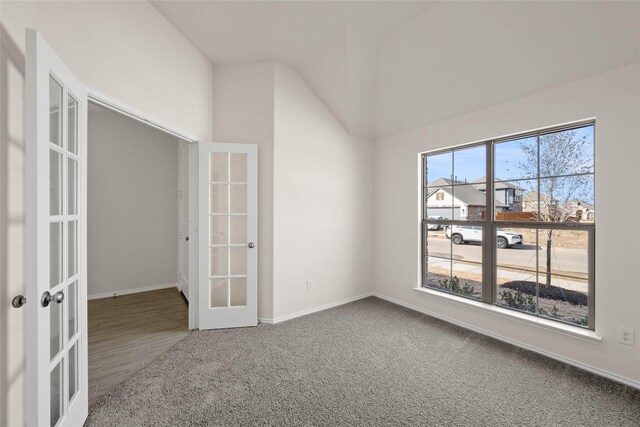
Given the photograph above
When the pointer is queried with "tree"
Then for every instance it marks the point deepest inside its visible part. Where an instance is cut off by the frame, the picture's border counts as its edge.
(562, 161)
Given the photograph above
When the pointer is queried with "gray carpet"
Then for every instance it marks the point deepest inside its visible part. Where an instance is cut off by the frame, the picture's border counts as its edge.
(367, 363)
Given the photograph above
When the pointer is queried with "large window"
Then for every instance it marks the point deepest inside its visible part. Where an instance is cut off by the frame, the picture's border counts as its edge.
(510, 222)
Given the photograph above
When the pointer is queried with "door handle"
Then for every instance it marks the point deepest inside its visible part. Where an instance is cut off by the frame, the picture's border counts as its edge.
(18, 301)
(47, 298)
(251, 245)
(187, 238)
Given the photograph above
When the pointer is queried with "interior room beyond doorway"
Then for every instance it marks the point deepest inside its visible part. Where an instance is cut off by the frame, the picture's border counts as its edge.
(136, 311)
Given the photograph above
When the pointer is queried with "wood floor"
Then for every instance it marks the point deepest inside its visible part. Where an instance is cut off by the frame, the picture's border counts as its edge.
(128, 332)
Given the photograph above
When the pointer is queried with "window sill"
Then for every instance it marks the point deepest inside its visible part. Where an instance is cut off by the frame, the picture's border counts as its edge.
(537, 322)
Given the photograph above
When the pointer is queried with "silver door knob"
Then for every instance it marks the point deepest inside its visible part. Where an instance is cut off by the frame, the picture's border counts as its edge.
(251, 245)
(18, 301)
(47, 298)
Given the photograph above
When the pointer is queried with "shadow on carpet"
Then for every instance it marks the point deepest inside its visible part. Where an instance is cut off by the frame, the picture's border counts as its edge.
(367, 363)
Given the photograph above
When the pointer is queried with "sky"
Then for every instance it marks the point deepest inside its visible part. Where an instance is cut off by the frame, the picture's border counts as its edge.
(470, 164)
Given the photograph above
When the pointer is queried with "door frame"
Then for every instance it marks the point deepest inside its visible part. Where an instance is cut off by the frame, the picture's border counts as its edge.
(109, 103)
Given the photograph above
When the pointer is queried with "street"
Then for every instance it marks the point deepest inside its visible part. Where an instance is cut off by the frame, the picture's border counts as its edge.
(516, 263)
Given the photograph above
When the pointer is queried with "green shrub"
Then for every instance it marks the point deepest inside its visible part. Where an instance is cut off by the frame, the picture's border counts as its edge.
(453, 284)
(518, 300)
(582, 321)
(525, 302)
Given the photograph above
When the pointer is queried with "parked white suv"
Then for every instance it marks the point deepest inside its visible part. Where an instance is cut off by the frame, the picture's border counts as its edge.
(473, 233)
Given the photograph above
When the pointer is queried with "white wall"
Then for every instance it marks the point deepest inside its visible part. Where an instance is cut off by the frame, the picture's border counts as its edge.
(102, 42)
(322, 202)
(243, 113)
(314, 187)
(132, 205)
(12, 229)
(125, 50)
(614, 99)
(463, 56)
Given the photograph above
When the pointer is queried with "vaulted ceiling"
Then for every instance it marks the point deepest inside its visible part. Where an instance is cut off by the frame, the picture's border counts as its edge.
(387, 67)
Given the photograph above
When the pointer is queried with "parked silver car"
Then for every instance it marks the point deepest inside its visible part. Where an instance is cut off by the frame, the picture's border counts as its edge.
(460, 234)
(432, 226)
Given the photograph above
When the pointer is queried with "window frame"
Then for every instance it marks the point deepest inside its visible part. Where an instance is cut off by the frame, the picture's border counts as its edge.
(490, 224)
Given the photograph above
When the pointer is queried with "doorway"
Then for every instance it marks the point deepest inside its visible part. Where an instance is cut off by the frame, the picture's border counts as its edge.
(137, 254)
(221, 294)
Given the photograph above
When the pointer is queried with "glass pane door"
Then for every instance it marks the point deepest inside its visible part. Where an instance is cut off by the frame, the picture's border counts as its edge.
(56, 240)
(227, 229)
(227, 281)
(63, 244)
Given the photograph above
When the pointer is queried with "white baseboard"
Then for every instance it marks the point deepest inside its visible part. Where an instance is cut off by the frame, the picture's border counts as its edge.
(133, 291)
(589, 368)
(314, 309)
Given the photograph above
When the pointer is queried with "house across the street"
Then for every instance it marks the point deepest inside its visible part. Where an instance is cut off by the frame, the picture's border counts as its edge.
(462, 201)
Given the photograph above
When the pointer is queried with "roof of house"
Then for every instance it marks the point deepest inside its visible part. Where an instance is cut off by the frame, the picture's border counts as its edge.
(468, 195)
(498, 184)
(581, 203)
(443, 182)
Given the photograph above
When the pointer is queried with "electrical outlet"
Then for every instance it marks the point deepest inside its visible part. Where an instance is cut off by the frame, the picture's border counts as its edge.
(309, 285)
(625, 336)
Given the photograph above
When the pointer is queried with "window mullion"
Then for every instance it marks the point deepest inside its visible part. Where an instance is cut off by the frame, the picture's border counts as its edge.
(488, 243)
(591, 295)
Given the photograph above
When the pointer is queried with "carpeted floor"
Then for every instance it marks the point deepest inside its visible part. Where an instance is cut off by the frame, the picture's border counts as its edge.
(368, 363)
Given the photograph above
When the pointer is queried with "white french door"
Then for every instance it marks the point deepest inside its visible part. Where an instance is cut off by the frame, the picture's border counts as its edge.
(56, 153)
(228, 231)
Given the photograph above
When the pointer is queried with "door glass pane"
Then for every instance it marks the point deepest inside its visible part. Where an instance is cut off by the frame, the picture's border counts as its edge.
(55, 254)
(72, 123)
(218, 230)
(238, 229)
(218, 198)
(72, 245)
(238, 167)
(73, 371)
(218, 291)
(55, 116)
(72, 300)
(238, 260)
(238, 198)
(72, 187)
(218, 167)
(239, 291)
(55, 328)
(219, 261)
(56, 393)
(55, 183)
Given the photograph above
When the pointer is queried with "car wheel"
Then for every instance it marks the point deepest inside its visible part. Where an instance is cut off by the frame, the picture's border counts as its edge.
(502, 243)
(456, 239)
